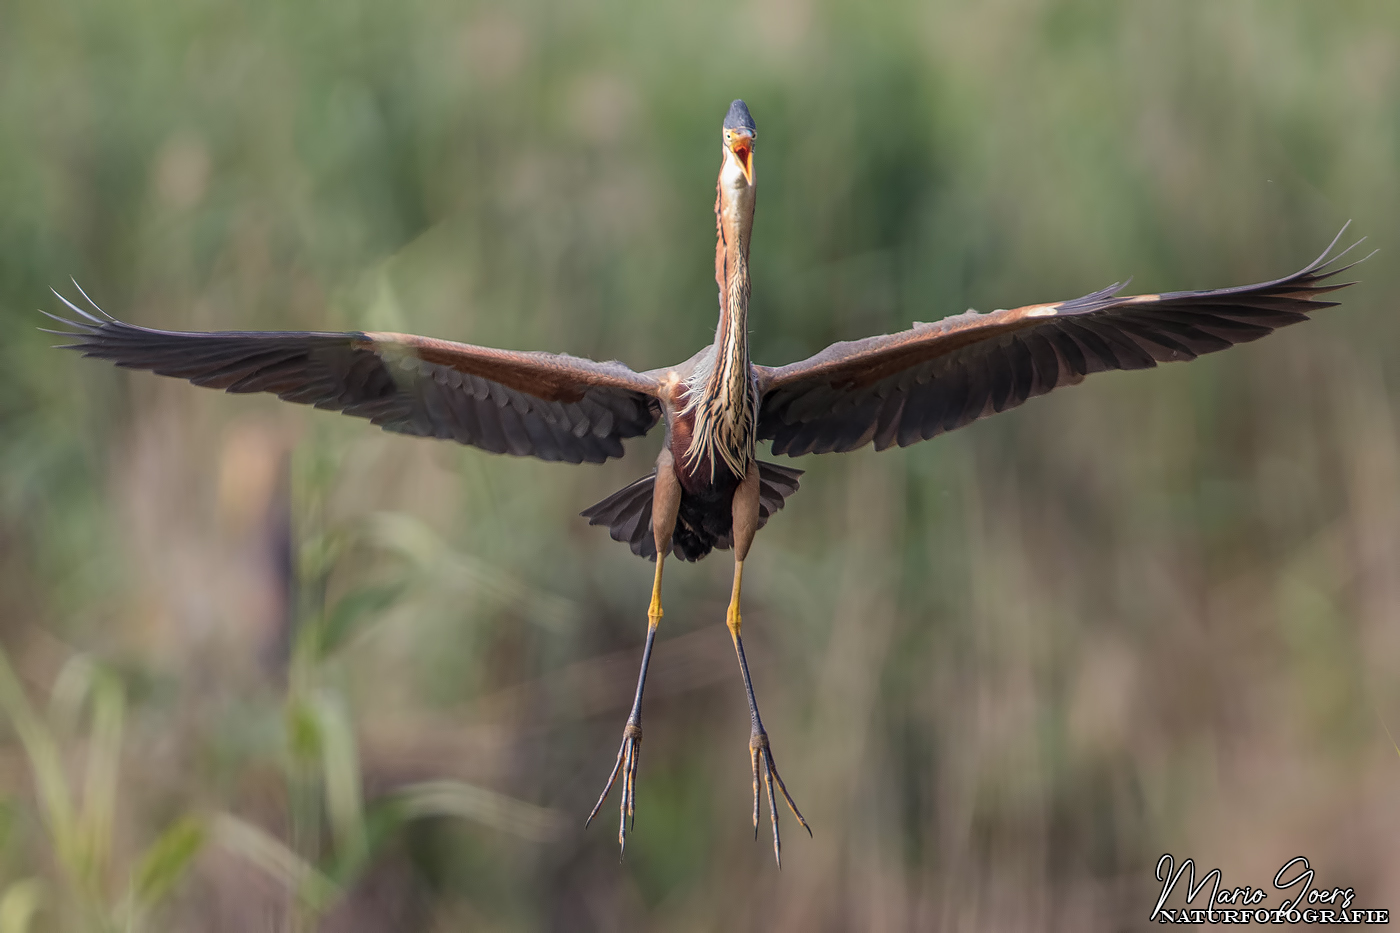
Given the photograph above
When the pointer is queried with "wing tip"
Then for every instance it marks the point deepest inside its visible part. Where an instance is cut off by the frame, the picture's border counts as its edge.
(1328, 257)
(88, 297)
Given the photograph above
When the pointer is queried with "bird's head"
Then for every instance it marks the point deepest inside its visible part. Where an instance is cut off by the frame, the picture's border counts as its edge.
(739, 137)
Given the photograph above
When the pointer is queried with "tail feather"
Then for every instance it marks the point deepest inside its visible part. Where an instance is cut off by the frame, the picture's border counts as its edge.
(775, 484)
(627, 514)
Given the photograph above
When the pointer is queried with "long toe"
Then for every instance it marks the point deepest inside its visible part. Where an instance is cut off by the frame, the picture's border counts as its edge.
(753, 756)
(627, 757)
(765, 770)
(768, 774)
(607, 788)
(792, 805)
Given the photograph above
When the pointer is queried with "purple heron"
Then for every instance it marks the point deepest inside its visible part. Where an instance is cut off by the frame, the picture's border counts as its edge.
(708, 489)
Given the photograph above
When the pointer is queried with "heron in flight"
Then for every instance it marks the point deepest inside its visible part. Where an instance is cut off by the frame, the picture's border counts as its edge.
(709, 489)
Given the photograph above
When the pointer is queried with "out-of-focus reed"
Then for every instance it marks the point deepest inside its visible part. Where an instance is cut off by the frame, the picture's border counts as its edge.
(308, 675)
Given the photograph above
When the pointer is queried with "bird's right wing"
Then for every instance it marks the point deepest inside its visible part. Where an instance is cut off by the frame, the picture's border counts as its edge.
(544, 405)
(907, 387)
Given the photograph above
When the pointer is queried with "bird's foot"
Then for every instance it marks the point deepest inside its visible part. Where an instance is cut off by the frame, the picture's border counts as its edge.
(763, 766)
(627, 757)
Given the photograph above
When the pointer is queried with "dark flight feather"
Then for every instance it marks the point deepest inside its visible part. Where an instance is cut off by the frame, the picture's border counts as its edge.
(543, 405)
(907, 387)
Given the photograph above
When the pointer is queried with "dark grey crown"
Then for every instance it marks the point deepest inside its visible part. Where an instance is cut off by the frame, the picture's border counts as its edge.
(738, 118)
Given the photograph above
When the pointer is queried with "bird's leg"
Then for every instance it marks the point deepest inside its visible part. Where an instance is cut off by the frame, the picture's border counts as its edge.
(760, 752)
(629, 753)
(665, 505)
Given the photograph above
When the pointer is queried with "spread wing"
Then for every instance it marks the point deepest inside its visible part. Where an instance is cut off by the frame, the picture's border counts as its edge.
(907, 387)
(543, 405)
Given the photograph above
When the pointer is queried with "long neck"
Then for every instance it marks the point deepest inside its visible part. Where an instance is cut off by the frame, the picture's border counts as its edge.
(721, 397)
(728, 380)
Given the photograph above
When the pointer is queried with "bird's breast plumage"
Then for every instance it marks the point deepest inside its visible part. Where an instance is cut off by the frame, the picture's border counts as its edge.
(711, 450)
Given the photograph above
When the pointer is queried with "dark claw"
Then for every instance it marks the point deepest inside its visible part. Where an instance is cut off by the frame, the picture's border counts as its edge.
(760, 753)
(627, 757)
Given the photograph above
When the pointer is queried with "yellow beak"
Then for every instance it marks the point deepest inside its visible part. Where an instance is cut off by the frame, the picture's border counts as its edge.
(742, 147)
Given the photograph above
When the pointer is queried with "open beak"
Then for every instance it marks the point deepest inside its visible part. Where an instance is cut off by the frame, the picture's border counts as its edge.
(742, 147)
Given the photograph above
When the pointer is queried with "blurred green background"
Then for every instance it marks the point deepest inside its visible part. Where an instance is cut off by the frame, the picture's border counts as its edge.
(270, 668)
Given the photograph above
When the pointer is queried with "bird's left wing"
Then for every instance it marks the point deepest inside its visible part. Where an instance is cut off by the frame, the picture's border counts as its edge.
(544, 405)
(907, 387)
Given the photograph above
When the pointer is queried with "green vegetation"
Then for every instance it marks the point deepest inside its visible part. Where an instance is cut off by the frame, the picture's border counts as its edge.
(270, 668)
